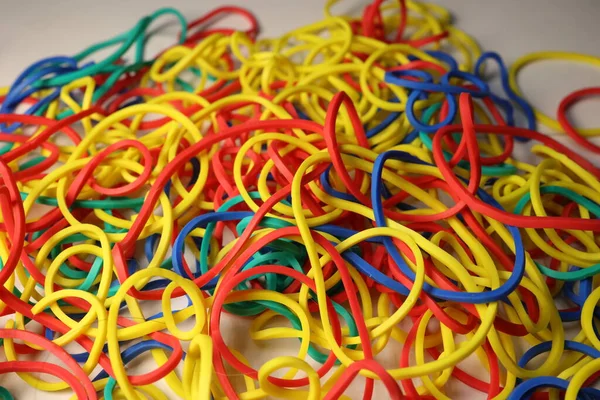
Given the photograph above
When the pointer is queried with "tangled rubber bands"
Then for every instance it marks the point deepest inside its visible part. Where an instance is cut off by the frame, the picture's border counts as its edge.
(350, 189)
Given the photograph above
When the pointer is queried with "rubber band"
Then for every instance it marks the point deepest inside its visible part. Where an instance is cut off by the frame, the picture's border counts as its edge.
(550, 55)
(355, 185)
(564, 123)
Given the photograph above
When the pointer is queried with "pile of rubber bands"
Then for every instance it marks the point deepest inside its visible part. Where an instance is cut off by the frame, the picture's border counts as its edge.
(349, 188)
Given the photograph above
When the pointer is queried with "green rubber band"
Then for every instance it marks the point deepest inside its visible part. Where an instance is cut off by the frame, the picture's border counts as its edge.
(592, 207)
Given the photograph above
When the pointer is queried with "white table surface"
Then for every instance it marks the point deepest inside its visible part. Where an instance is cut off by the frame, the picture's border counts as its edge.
(32, 29)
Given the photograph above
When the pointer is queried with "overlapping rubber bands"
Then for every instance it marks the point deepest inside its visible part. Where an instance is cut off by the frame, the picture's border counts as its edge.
(354, 189)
